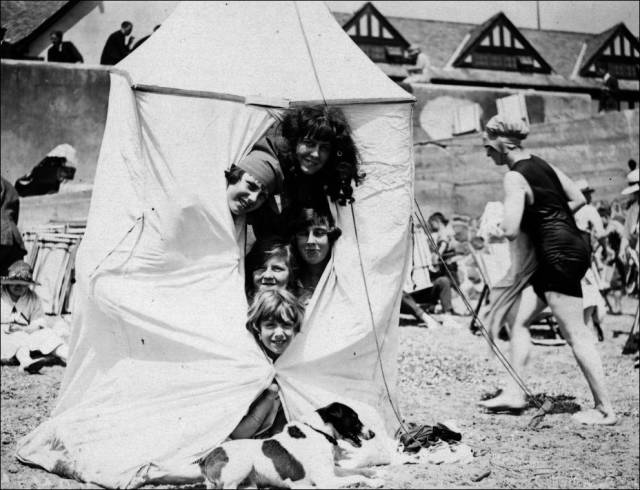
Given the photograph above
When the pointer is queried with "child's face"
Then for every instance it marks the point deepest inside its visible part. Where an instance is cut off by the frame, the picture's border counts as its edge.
(273, 273)
(276, 336)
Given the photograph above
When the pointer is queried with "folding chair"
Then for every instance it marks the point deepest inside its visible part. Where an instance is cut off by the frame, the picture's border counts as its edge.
(52, 269)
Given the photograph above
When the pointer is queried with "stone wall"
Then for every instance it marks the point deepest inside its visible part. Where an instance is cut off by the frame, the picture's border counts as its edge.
(462, 179)
(47, 104)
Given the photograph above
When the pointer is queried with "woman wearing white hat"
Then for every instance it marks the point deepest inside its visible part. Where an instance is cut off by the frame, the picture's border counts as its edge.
(23, 324)
(540, 201)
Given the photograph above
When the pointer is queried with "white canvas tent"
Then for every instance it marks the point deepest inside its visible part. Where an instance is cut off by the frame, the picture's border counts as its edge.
(162, 366)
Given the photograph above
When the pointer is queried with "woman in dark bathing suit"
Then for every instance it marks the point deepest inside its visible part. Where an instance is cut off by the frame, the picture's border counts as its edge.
(540, 201)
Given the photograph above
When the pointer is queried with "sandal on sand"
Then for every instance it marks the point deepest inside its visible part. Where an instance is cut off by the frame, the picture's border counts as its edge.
(594, 417)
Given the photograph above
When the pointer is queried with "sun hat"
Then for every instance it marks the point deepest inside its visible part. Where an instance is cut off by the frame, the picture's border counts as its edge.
(632, 180)
(583, 185)
(19, 273)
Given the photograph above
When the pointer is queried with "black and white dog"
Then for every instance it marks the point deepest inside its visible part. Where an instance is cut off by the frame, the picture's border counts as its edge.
(301, 456)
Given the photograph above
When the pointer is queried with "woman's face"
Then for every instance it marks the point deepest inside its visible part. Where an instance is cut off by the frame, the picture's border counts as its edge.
(495, 155)
(276, 336)
(434, 224)
(274, 273)
(17, 290)
(312, 155)
(246, 195)
(313, 243)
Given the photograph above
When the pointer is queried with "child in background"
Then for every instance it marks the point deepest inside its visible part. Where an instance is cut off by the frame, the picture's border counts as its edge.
(25, 333)
(274, 319)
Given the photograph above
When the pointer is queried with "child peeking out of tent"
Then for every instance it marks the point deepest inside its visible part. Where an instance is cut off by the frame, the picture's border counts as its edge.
(274, 318)
(270, 264)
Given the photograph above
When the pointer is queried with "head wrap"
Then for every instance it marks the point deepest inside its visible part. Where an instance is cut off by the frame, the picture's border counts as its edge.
(264, 167)
(501, 129)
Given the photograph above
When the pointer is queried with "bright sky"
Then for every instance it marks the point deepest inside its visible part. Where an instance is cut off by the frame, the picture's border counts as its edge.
(595, 16)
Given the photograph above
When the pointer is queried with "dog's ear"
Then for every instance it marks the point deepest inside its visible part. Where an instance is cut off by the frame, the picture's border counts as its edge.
(331, 412)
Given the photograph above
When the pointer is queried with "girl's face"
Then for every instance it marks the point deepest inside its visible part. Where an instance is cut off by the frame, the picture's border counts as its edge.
(312, 155)
(246, 195)
(276, 336)
(313, 243)
(274, 273)
(434, 225)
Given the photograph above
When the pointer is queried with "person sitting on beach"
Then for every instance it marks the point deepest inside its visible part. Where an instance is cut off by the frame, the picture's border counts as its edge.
(274, 318)
(270, 264)
(318, 159)
(26, 337)
(314, 236)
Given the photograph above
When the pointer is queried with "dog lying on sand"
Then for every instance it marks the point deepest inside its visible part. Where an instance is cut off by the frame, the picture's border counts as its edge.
(301, 456)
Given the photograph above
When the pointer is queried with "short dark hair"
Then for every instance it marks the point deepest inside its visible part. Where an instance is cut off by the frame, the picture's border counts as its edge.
(234, 174)
(438, 216)
(314, 216)
(126, 24)
(632, 164)
(57, 33)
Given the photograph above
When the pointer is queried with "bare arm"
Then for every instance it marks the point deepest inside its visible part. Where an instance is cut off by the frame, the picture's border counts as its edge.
(514, 201)
(574, 196)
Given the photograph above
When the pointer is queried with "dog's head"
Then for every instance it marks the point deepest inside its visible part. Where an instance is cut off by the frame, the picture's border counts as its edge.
(345, 423)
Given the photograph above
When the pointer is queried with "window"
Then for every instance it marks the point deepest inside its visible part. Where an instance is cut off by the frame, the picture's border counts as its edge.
(376, 53)
(494, 61)
(623, 70)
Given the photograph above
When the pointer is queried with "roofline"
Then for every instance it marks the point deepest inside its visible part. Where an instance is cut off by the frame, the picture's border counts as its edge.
(46, 24)
(480, 23)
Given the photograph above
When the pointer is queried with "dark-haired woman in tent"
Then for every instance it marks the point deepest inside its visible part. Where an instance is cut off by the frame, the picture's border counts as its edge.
(318, 159)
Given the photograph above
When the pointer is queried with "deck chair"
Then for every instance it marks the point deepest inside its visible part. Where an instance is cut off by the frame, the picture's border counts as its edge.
(52, 269)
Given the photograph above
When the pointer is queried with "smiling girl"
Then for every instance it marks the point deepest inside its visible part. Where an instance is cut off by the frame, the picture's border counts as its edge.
(319, 160)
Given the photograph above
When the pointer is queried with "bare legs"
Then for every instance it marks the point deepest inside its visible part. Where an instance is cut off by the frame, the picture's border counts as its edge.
(512, 397)
(569, 314)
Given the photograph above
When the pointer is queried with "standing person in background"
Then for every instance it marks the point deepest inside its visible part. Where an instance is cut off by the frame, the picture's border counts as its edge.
(540, 199)
(11, 245)
(7, 50)
(421, 64)
(587, 217)
(631, 216)
(62, 51)
(117, 45)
